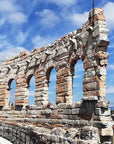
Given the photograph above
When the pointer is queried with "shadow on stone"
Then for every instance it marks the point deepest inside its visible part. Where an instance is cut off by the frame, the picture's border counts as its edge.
(18, 107)
(1, 107)
(87, 110)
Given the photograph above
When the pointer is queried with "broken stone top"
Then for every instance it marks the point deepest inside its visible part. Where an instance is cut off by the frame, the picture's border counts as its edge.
(96, 11)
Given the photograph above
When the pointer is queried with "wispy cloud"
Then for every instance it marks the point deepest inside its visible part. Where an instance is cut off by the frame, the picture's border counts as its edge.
(21, 37)
(17, 17)
(110, 67)
(111, 45)
(75, 18)
(7, 48)
(7, 6)
(76, 76)
(108, 11)
(78, 19)
(79, 66)
(63, 2)
(31, 93)
(11, 51)
(11, 12)
(48, 17)
(53, 77)
(110, 89)
(39, 41)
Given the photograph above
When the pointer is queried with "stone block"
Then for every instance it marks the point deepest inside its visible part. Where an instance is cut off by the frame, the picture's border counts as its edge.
(68, 111)
(103, 62)
(101, 71)
(98, 31)
(106, 132)
(75, 111)
(103, 104)
(96, 12)
(90, 86)
(46, 112)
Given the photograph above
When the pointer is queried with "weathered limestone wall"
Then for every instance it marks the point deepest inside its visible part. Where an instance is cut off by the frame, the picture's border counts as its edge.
(87, 43)
(83, 123)
(86, 122)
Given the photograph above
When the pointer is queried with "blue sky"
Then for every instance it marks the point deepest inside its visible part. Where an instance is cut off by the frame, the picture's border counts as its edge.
(29, 24)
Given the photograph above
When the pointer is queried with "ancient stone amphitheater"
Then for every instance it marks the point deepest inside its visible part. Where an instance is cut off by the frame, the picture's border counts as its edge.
(66, 122)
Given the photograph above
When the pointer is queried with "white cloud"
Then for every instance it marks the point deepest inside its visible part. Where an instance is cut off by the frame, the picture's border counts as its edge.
(111, 45)
(63, 2)
(7, 6)
(110, 89)
(79, 19)
(4, 43)
(39, 41)
(79, 66)
(21, 37)
(76, 76)
(11, 51)
(110, 67)
(51, 93)
(49, 18)
(31, 93)
(17, 17)
(7, 48)
(2, 21)
(53, 77)
(11, 13)
(109, 14)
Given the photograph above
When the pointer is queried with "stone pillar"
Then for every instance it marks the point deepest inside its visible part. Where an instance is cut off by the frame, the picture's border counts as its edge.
(96, 59)
(41, 91)
(21, 92)
(64, 86)
(4, 94)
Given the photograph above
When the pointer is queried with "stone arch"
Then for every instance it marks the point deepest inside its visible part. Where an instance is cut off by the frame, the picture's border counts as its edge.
(72, 61)
(8, 88)
(51, 64)
(48, 72)
(17, 68)
(29, 74)
(8, 69)
(9, 78)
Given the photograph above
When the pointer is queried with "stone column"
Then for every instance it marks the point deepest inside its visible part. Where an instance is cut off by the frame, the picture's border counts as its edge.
(21, 92)
(41, 91)
(64, 86)
(96, 59)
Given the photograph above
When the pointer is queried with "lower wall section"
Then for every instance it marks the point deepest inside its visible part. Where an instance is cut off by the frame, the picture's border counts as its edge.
(19, 134)
(22, 134)
(77, 123)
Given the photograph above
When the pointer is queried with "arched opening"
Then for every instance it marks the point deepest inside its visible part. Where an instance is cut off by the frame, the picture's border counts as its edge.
(78, 81)
(51, 77)
(31, 89)
(12, 87)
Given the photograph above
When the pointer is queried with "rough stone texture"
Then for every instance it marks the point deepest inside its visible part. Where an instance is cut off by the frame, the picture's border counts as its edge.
(86, 122)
